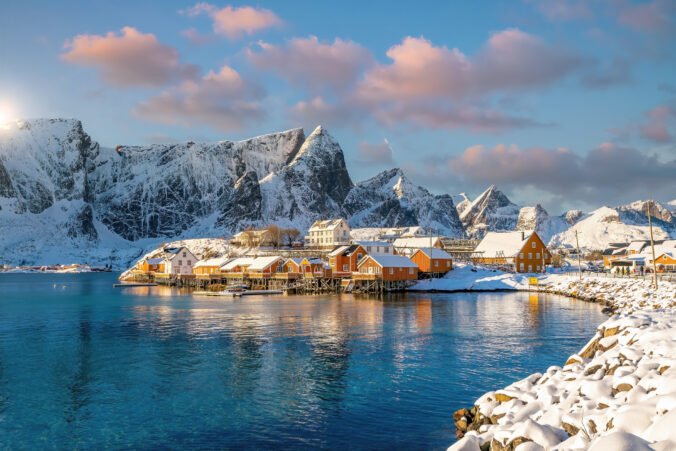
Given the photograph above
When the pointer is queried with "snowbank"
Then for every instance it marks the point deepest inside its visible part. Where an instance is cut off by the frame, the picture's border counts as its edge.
(466, 277)
(618, 392)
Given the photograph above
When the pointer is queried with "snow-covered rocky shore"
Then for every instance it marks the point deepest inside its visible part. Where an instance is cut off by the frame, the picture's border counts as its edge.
(617, 393)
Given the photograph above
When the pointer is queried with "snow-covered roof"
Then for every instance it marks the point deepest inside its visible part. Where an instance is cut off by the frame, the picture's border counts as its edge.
(217, 261)
(155, 261)
(296, 260)
(502, 244)
(390, 261)
(242, 261)
(416, 242)
(636, 246)
(327, 224)
(261, 263)
(337, 251)
(434, 252)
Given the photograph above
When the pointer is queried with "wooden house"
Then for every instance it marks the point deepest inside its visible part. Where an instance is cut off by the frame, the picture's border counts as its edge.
(328, 233)
(666, 262)
(520, 251)
(344, 259)
(265, 266)
(176, 260)
(432, 260)
(210, 267)
(408, 246)
(387, 267)
(237, 266)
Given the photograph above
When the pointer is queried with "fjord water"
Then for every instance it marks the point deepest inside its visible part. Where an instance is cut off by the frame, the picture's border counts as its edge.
(85, 365)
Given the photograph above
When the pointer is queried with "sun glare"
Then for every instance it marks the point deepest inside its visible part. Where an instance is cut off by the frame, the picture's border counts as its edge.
(6, 115)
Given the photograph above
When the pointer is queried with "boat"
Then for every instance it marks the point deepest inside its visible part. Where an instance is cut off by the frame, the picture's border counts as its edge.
(236, 291)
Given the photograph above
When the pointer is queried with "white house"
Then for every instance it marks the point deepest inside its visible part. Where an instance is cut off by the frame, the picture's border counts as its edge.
(178, 260)
(328, 233)
(377, 247)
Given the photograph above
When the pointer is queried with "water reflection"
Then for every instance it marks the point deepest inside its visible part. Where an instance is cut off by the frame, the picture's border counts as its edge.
(153, 367)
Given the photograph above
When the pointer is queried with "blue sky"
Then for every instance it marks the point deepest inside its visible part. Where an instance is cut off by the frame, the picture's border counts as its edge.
(567, 103)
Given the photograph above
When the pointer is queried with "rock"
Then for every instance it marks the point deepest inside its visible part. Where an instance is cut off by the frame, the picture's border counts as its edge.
(501, 397)
(622, 387)
(570, 429)
(662, 369)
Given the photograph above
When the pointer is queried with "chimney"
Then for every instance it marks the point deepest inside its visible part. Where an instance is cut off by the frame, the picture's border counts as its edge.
(523, 235)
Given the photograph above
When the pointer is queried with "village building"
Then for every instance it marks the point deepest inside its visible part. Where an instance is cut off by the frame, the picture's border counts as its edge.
(387, 268)
(265, 266)
(432, 260)
(210, 267)
(237, 266)
(391, 234)
(176, 260)
(253, 238)
(344, 259)
(327, 234)
(666, 262)
(519, 251)
(150, 265)
(408, 246)
(377, 247)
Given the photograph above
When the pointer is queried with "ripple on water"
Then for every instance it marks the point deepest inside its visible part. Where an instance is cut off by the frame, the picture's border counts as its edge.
(155, 368)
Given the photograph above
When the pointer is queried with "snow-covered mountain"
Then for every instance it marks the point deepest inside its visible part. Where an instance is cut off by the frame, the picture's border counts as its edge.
(63, 197)
(390, 200)
(491, 211)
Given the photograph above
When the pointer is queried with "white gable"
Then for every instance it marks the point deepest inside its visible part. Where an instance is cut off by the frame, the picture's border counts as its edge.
(502, 244)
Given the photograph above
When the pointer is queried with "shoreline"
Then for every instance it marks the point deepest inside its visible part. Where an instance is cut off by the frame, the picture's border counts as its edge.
(557, 409)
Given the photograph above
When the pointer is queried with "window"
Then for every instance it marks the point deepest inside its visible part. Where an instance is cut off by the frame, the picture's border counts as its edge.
(530, 255)
(376, 270)
(391, 271)
(448, 263)
(344, 267)
(546, 256)
(537, 255)
(410, 270)
(370, 269)
(538, 267)
(530, 268)
(436, 262)
(184, 254)
(368, 248)
(359, 256)
(189, 263)
(533, 244)
(180, 262)
(521, 267)
(521, 255)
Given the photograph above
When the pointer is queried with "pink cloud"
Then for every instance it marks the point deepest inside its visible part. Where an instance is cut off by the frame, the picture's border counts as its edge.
(222, 100)
(656, 129)
(510, 60)
(601, 174)
(652, 16)
(233, 22)
(310, 62)
(131, 58)
(196, 38)
(318, 111)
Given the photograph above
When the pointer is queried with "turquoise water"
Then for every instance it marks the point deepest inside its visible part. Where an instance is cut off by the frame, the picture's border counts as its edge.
(84, 365)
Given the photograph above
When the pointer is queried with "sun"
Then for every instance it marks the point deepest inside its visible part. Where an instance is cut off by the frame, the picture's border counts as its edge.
(6, 114)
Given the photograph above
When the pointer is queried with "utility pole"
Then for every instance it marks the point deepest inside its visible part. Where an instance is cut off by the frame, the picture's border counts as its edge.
(579, 265)
(652, 243)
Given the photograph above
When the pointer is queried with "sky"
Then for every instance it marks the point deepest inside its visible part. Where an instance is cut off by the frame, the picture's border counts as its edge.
(567, 103)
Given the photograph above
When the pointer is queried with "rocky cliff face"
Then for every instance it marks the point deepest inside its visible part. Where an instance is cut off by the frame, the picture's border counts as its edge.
(390, 200)
(491, 211)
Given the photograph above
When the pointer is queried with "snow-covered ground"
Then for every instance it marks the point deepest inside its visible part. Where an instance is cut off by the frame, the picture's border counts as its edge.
(617, 393)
